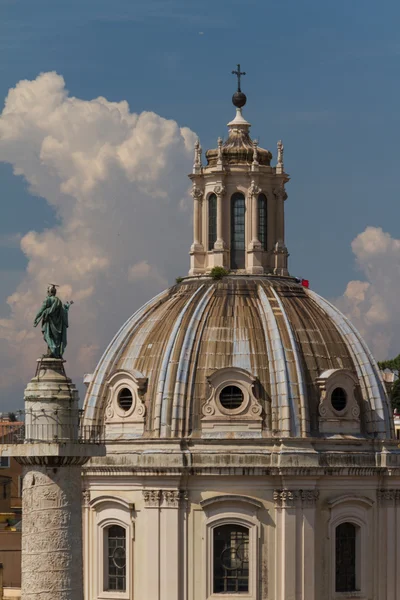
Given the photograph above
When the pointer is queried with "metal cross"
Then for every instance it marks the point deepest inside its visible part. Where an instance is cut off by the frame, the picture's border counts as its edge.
(238, 73)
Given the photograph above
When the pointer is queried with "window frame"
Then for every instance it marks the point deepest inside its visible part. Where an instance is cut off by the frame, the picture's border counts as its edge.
(106, 573)
(262, 201)
(354, 510)
(213, 197)
(231, 510)
(235, 197)
(110, 511)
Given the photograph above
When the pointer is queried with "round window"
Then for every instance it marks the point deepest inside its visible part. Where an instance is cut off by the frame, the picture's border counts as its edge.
(125, 399)
(339, 399)
(231, 397)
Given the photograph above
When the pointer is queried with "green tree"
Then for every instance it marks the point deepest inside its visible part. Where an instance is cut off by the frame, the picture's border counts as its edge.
(393, 365)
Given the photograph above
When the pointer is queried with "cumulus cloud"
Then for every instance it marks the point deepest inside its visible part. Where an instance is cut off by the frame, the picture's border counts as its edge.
(373, 304)
(117, 182)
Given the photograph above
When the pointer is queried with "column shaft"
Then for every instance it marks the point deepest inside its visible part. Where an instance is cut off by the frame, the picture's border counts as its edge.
(52, 566)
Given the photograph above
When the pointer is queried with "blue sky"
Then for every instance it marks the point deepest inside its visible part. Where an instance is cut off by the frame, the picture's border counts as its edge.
(321, 76)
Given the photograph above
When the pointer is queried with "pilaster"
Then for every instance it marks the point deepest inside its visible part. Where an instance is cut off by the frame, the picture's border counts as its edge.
(295, 543)
(389, 545)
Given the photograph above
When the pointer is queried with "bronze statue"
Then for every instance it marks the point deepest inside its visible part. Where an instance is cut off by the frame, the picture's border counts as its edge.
(54, 317)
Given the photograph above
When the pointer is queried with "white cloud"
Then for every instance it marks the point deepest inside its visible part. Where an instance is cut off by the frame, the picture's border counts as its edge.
(373, 305)
(116, 180)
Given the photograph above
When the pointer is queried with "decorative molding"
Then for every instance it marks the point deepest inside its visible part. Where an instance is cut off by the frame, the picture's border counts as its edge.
(196, 193)
(286, 498)
(280, 192)
(164, 498)
(254, 190)
(231, 499)
(350, 499)
(330, 420)
(136, 382)
(247, 417)
(389, 497)
(219, 190)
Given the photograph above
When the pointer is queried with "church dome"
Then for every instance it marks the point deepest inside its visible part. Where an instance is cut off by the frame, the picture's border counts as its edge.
(258, 356)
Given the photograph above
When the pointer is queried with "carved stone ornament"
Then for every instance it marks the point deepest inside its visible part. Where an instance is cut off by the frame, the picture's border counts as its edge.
(219, 190)
(164, 498)
(196, 193)
(246, 417)
(280, 192)
(136, 383)
(86, 497)
(197, 157)
(254, 190)
(389, 497)
(331, 420)
(295, 498)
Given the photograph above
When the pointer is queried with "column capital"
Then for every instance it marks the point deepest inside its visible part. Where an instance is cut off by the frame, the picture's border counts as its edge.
(286, 498)
(196, 192)
(219, 190)
(254, 189)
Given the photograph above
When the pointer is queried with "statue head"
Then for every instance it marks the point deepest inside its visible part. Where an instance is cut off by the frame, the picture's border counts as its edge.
(51, 290)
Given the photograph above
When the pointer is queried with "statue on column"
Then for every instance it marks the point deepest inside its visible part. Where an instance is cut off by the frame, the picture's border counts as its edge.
(54, 318)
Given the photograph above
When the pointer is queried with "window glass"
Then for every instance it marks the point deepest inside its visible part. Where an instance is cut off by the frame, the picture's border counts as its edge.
(346, 557)
(116, 558)
(231, 397)
(262, 220)
(212, 221)
(125, 399)
(231, 559)
(4, 462)
(238, 210)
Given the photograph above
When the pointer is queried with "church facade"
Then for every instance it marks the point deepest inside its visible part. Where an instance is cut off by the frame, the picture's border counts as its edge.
(250, 442)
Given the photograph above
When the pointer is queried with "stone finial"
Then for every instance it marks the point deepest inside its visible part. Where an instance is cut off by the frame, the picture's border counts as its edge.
(197, 166)
(279, 165)
(255, 163)
(219, 159)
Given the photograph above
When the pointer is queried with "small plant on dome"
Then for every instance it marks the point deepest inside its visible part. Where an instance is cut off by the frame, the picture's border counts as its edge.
(218, 272)
(179, 279)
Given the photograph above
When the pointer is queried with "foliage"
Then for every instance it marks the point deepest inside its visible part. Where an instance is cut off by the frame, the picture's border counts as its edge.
(393, 365)
(179, 279)
(218, 272)
(12, 416)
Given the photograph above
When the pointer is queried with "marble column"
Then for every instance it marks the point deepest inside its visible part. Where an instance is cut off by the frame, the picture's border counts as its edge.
(219, 191)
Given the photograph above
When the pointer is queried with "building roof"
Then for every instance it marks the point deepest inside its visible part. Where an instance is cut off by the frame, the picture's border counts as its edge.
(283, 335)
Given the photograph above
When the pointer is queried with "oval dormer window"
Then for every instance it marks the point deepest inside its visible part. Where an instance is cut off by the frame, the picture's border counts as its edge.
(339, 399)
(125, 399)
(231, 397)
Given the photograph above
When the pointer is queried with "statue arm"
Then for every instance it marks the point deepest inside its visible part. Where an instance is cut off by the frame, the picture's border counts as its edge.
(40, 313)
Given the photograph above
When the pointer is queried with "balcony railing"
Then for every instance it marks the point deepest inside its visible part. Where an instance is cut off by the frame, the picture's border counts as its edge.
(60, 426)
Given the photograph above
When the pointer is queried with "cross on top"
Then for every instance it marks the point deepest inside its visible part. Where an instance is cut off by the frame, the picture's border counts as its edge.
(238, 73)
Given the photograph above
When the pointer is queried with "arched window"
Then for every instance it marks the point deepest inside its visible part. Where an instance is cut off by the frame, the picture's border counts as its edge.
(238, 210)
(231, 559)
(346, 558)
(212, 221)
(115, 543)
(262, 220)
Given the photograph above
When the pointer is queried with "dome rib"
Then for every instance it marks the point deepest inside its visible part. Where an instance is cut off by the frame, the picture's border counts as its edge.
(281, 401)
(162, 398)
(304, 425)
(183, 371)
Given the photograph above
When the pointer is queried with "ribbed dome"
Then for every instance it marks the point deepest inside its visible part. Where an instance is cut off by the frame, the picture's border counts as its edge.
(275, 329)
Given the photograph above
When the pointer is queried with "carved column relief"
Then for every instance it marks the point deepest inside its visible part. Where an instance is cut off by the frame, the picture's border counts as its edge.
(295, 543)
(52, 528)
